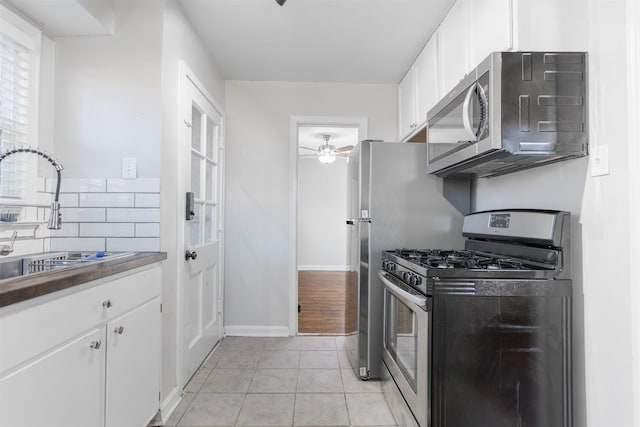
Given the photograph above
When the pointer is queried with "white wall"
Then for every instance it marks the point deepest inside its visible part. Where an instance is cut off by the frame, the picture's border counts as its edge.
(179, 42)
(600, 221)
(107, 96)
(258, 187)
(322, 211)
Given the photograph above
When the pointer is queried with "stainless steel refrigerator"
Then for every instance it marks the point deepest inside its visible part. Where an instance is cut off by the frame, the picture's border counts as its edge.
(393, 204)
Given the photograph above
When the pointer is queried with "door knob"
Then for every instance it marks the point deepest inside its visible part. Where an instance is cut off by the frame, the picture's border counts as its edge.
(190, 254)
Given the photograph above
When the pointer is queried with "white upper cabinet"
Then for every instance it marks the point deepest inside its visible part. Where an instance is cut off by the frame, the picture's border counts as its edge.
(453, 47)
(490, 28)
(407, 104)
(426, 69)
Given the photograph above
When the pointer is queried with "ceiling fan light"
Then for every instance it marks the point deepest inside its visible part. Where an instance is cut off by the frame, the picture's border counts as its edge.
(281, 2)
(327, 158)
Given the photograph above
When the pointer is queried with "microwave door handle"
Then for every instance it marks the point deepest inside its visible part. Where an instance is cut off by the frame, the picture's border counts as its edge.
(466, 114)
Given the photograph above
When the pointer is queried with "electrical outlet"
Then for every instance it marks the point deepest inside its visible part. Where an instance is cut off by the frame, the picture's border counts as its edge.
(129, 168)
(599, 158)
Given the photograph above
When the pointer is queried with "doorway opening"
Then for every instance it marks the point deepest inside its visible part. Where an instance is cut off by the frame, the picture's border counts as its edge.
(325, 292)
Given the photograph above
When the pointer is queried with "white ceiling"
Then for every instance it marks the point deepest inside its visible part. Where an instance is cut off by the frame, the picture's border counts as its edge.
(356, 41)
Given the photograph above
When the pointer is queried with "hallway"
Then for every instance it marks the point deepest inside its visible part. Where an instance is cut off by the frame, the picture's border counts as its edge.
(294, 381)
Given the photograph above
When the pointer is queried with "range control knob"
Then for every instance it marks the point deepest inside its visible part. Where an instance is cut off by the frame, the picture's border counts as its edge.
(414, 281)
(406, 276)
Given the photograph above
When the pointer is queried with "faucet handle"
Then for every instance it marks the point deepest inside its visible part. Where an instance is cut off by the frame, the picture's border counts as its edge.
(7, 249)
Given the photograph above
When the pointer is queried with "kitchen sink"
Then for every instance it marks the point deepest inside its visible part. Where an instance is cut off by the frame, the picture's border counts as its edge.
(52, 261)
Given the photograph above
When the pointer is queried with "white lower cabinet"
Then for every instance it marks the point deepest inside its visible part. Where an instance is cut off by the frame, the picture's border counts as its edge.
(103, 367)
(133, 365)
(66, 384)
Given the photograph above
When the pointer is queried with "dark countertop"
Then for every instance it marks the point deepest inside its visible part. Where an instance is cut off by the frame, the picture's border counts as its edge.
(23, 288)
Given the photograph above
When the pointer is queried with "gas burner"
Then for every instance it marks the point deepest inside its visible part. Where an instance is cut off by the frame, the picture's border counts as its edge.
(500, 264)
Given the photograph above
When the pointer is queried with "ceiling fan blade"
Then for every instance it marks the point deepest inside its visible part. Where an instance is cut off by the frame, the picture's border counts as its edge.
(307, 148)
(345, 148)
(342, 154)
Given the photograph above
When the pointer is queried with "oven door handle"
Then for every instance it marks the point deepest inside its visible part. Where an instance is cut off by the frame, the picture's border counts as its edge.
(403, 292)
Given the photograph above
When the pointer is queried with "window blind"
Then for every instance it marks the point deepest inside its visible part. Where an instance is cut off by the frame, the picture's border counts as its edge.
(15, 82)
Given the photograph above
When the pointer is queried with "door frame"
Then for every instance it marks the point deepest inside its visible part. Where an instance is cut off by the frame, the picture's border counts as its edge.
(296, 122)
(633, 68)
(184, 73)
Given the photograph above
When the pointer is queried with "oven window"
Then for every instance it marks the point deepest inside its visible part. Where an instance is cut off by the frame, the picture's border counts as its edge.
(401, 339)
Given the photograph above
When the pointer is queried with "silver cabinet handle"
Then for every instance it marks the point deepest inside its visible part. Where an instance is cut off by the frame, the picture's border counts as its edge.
(107, 304)
(119, 330)
(95, 345)
(190, 254)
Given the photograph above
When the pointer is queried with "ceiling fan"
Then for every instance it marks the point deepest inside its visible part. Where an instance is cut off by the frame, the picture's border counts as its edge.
(327, 153)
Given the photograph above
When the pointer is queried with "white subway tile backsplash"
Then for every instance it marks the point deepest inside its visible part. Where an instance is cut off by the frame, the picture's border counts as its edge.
(148, 230)
(107, 229)
(68, 200)
(105, 214)
(67, 230)
(133, 215)
(78, 185)
(140, 185)
(107, 200)
(83, 214)
(142, 245)
(78, 244)
(147, 200)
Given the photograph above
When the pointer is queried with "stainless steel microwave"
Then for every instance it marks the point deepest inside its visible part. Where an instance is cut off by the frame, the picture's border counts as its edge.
(515, 110)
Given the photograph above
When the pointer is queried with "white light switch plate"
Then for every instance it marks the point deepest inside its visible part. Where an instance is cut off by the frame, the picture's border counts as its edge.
(129, 168)
(599, 157)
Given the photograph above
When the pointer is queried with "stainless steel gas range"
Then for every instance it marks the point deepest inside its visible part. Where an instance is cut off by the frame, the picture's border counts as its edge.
(482, 335)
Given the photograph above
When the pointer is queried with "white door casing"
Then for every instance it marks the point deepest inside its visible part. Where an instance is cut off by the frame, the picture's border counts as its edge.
(200, 291)
(295, 122)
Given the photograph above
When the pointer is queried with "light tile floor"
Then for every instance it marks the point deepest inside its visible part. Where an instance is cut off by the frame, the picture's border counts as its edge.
(296, 381)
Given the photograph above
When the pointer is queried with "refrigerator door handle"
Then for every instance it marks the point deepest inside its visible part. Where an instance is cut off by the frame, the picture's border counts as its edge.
(352, 221)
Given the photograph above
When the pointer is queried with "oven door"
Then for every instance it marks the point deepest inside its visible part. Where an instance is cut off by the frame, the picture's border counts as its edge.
(406, 353)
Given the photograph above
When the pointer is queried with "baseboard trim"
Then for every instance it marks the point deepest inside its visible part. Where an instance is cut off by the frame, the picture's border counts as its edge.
(170, 404)
(323, 268)
(256, 331)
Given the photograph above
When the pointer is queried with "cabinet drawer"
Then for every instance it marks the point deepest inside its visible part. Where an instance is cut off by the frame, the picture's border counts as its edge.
(49, 321)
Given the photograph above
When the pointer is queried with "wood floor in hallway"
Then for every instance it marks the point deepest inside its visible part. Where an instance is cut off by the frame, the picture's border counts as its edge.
(327, 301)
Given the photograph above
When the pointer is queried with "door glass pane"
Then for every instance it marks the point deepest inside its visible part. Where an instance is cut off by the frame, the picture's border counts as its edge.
(210, 224)
(210, 191)
(195, 175)
(212, 137)
(401, 339)
(196, 127)
(195, 227)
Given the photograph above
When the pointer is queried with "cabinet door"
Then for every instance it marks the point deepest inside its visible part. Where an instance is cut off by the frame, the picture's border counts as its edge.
(490, 24)
(452, 46)
(133, 367)
(427, 78)
(62, 388)
(407, 104)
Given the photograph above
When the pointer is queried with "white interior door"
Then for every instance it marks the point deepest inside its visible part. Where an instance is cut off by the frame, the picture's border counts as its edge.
(202, 277)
